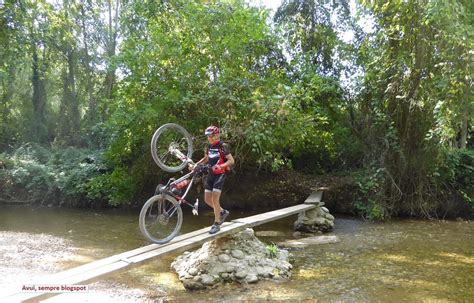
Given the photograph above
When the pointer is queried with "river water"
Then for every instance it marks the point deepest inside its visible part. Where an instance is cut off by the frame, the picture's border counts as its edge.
(397, 261)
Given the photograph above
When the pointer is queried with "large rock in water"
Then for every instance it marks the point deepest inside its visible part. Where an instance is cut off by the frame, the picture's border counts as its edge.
(315, 220)
(238, 258)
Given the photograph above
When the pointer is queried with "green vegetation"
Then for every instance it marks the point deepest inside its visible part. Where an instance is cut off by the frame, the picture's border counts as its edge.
(33, 173)
(272, 250)
(83, 86)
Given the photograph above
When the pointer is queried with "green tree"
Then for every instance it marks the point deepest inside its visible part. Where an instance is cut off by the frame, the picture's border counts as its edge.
(10, 54)
(198, 64)
(39, 39)
(417, 83)
(312, 29)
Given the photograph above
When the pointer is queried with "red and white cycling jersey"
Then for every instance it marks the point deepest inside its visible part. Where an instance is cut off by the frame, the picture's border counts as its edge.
(217, 155)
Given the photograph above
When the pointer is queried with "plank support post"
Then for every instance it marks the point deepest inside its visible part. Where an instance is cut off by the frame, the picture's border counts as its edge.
(315, 198)
(317, 219)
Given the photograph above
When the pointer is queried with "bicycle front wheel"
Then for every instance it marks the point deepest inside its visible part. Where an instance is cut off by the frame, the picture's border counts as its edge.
(168, 138)
(160, 218)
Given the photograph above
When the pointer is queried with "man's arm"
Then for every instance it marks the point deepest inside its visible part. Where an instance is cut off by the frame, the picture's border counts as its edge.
(230, 161)
(228, 156)
(205, 159)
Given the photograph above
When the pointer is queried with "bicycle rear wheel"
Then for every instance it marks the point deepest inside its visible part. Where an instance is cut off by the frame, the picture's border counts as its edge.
(160, 218)
(167, 138)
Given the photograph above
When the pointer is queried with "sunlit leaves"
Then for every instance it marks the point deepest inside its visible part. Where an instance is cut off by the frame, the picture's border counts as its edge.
(417, 97)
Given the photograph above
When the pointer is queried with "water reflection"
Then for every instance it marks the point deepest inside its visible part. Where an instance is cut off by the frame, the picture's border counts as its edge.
(399, 261)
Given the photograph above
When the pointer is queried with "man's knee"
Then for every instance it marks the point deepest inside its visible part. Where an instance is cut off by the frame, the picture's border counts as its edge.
(216, 195)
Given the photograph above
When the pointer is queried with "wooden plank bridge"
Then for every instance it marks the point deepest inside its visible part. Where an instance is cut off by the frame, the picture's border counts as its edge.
(100, 269)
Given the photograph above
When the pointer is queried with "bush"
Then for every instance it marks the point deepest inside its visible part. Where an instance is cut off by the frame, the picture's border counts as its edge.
(40, 174)
(456, 172)
(117, 187)
(448, 190)
(369, 202)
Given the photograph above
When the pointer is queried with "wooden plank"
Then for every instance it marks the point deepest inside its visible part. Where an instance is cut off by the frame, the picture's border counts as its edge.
(176, 247)
(315, 197)
(99, 269)
(86, 277)
(189, 243)
(106, 270)
(274, 215)
(123, 256)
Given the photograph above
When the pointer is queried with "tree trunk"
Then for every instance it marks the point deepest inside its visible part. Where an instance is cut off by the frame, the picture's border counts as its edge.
(69, 121)
(465, 116)
(92, 102)
(111, 46)
(5, 120)
(64, 126)
(39, 129)
(74, 103)
(464, 127)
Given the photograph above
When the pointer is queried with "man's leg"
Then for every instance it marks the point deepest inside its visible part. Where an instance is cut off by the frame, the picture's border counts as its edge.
(209, 185)
(219, 213)
(208, 198)
(215, 200)
(216, 195)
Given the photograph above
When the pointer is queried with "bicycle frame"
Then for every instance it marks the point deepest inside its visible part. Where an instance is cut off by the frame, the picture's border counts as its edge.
(171, 185)
(161, 216)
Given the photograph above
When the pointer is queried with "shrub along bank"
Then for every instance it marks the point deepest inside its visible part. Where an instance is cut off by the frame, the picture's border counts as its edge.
(33, 174)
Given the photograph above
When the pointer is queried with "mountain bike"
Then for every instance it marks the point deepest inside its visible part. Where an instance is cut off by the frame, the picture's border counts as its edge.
(161, 216)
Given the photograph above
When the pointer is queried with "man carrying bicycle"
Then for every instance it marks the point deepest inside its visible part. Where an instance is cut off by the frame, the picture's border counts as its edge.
(220, 159)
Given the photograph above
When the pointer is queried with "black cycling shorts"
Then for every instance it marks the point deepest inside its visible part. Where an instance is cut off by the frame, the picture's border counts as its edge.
(214, 182)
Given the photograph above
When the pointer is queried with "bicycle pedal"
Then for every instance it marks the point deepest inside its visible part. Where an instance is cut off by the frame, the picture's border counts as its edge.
(195, 212)
(196, 204)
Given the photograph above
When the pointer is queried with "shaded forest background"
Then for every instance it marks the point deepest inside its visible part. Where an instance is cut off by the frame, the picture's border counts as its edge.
(309, 90)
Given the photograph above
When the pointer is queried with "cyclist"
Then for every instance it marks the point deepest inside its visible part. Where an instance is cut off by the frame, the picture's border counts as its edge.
(220, 159)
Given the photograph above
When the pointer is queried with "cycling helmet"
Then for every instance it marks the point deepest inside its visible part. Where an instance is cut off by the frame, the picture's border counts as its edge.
(211, 130)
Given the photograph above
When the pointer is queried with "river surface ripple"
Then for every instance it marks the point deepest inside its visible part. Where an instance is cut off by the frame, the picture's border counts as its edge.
(396, 261)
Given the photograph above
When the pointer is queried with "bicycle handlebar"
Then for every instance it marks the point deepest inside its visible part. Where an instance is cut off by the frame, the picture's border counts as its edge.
(202, 168)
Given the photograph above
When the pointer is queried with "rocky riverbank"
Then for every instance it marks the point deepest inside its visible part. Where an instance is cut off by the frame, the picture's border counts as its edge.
(240, 258)
(28, 258)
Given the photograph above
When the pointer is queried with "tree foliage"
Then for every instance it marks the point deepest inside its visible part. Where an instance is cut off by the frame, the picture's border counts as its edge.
(418, 76)
(200, 64)
(33, 173)
(289, 93)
